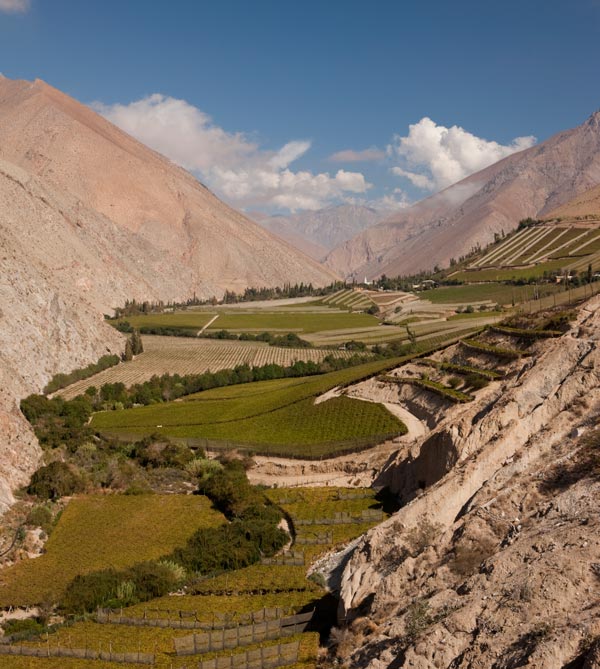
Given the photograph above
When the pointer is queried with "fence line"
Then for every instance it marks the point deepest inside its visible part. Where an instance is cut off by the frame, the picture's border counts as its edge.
(219, 621)
(260, 658)
(81, 653)
(287, 559)
(339, 496)
(319, 539)
(230, 638)
(343, 517)
(568, 296)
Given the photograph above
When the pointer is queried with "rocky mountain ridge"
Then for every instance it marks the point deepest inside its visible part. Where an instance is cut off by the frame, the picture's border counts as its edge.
(584, 205)
(449, 224)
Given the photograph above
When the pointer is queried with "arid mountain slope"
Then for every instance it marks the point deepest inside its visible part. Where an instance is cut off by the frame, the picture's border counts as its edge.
(208, 245)
(586, 204)
(318, 232)
(88, 218)
(449, 224)
(493, 559)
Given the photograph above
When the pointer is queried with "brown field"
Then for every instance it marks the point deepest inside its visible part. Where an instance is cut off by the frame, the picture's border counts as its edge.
(179, 355)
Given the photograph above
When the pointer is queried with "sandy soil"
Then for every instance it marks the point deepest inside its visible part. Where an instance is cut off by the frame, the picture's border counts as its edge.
(356, 469)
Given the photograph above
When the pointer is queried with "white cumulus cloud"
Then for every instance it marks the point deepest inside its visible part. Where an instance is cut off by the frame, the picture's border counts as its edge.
(230, 163)
(433, 156)
(14, 6)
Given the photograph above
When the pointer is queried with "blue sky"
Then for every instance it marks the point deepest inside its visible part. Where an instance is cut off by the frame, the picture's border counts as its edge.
(257, 96)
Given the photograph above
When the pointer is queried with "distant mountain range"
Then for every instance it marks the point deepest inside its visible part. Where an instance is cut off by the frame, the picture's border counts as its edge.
(318, 232)
(448, 224)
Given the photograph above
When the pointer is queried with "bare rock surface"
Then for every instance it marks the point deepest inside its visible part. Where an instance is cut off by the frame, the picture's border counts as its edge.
(494, 559)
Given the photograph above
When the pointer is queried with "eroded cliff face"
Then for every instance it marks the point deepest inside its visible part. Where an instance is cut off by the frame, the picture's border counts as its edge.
(494, 560)
(53, 290)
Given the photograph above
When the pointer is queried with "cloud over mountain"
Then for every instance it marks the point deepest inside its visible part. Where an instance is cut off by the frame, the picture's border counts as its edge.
(231, 163)
(433, 156)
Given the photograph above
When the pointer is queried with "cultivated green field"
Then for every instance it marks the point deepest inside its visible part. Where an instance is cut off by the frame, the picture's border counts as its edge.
(100, 531)
(479, 292)
(511, 273)
(271, 416)
(259, 320)
(188, 355)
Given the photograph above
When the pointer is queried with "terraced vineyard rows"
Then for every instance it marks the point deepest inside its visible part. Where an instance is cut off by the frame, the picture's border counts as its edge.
(225, 599)
(100, 531)
(290, 321)
(547, 242)
(276, 417)
(174, 355)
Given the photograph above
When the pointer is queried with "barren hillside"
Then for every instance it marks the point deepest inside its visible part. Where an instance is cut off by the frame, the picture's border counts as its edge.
(447, 225)
(88, 218)
(493, 559)
(584, 205)
(209, 245)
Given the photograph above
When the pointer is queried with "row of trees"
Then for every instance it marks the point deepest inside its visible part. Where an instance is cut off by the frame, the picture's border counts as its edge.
(172, 386)
(288, 290)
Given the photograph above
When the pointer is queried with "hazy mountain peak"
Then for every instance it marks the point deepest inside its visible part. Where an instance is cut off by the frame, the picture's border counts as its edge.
(317, 232)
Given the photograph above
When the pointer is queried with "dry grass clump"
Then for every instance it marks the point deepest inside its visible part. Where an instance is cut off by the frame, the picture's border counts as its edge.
(422, 536)
(468, 556)
(584, 464)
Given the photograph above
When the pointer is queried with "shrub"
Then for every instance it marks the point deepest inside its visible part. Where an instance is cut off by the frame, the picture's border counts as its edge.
(177, 571)
(112, 587)
(418, 619)
(57, 421)
(126, 592)
(40, 516)
(88, 592)
(422, 535)
(230, 490)
(156, 451)
(151, 579)
(476, 381)
(26, 628)
(468, 557)
(203, 469)
(54, 481)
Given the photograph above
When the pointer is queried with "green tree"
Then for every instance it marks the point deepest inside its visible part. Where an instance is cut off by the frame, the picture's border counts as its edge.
(55, 480)
(128, 353)
(137, 346)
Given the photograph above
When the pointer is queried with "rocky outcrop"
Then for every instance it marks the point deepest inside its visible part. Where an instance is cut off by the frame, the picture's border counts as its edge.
(493, 563)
